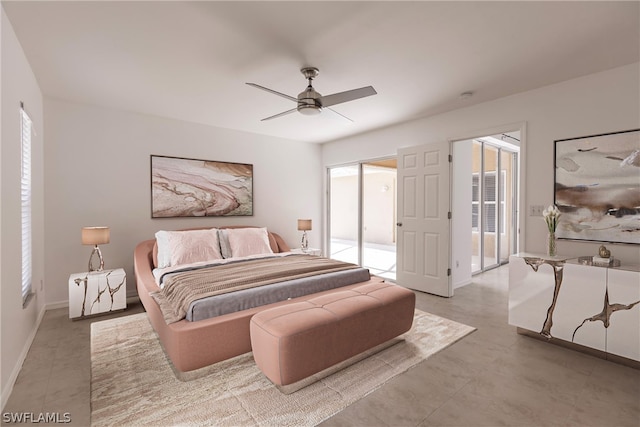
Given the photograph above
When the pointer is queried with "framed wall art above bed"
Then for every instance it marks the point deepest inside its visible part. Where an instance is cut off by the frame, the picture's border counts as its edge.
(597, 187)
(197, 188)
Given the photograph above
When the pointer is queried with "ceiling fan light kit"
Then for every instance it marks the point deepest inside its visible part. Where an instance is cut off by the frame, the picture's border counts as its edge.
(311, 103)
(307, 104)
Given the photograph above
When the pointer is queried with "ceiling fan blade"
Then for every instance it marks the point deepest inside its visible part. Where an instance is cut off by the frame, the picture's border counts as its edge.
(284, 113)
(340, 114)
(273, 92)
(349, 95)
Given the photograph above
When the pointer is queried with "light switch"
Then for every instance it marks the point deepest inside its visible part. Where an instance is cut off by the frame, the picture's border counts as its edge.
(536, 210)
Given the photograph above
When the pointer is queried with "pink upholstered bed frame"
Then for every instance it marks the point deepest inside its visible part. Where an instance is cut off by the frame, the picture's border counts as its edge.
(193, 345)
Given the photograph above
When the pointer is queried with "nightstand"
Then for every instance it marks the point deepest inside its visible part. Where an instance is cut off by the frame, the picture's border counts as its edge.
(309, 251)
(97, 292)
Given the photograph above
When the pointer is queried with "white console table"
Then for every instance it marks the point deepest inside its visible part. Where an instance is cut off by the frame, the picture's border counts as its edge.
(570, 300)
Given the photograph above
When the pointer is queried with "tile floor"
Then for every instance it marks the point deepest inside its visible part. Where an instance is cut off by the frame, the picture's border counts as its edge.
(56, 374)
(494, 377)
(379, 259)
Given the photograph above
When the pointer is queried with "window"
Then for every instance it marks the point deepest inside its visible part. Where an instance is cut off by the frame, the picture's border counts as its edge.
(25, 191)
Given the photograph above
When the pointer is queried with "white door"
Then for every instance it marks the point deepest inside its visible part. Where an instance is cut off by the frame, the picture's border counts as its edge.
(423, 247)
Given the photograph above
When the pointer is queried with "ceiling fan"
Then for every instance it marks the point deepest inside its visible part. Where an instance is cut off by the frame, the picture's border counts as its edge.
(311, 102)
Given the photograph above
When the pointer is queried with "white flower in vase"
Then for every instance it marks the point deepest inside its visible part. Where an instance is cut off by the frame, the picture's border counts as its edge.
(551, 216)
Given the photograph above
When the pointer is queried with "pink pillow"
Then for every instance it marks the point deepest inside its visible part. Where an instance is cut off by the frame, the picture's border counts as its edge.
(248, 241)
(191, 246)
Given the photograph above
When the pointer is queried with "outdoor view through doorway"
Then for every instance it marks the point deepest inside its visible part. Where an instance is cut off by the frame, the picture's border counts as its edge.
(494, 189)
(362, 215)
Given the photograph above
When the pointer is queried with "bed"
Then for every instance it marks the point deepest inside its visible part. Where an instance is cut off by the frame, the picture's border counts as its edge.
(199, 342)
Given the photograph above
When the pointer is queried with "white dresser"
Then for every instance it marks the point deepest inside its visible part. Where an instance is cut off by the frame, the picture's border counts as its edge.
(570, 300)
(97, 292)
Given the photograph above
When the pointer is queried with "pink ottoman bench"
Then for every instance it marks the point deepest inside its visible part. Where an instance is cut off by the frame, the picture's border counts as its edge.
(293, 342)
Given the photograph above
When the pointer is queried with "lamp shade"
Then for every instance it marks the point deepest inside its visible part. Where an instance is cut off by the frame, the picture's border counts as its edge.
(95, 235)
(304, 224)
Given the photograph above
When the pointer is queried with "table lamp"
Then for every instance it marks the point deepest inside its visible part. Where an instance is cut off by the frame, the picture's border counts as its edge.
(304, 225)
(95, 236)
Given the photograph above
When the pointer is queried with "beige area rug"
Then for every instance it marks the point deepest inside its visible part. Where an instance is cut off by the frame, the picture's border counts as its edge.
(133, 383)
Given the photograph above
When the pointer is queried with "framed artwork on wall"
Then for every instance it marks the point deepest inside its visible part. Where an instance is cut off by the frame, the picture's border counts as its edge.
(597, 187)
(197, 188)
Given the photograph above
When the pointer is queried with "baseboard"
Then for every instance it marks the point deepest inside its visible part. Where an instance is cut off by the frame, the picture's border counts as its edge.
(65, 304)
(6, 393)
(56, 305)
(462, 283)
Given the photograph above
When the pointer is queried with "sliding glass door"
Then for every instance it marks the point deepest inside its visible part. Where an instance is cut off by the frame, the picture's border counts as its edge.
(362, 215)
(508, 203)
(379, 218)
(493, 205)
(489, 216)
(344, 221)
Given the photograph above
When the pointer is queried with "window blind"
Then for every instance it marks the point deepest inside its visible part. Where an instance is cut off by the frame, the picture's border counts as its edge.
(26, 196)
(490, 194)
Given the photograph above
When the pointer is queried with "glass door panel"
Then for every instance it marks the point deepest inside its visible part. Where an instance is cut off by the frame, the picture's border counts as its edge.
(490, 206)
(343, 213)
(379, 218)
(476, 191)
(507, 204)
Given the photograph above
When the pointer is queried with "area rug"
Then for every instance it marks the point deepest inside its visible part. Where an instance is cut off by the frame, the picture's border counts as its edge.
(133, 383)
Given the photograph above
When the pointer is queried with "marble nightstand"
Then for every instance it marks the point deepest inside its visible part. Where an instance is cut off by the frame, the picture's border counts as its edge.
(97, 292)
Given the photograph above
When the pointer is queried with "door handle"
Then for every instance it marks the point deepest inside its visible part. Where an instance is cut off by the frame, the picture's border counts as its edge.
(399, 224)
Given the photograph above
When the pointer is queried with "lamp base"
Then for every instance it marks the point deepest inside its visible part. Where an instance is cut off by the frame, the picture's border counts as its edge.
(305, 243)
(96, 250)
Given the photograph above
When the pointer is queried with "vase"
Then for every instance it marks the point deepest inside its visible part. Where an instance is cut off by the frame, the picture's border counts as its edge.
(551, 244)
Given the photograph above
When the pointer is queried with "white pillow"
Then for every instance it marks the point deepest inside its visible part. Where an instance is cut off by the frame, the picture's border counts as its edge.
(186, 247)
(248, 241)
(164, 252)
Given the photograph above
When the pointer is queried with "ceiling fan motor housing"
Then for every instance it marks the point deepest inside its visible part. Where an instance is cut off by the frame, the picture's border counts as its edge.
(308, 102)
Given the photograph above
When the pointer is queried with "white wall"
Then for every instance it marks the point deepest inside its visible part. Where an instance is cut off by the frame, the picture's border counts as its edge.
(18, 325)
(604, 102)
(97, 171)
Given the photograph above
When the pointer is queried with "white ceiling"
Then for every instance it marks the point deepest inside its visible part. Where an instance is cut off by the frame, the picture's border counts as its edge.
(190, 60)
